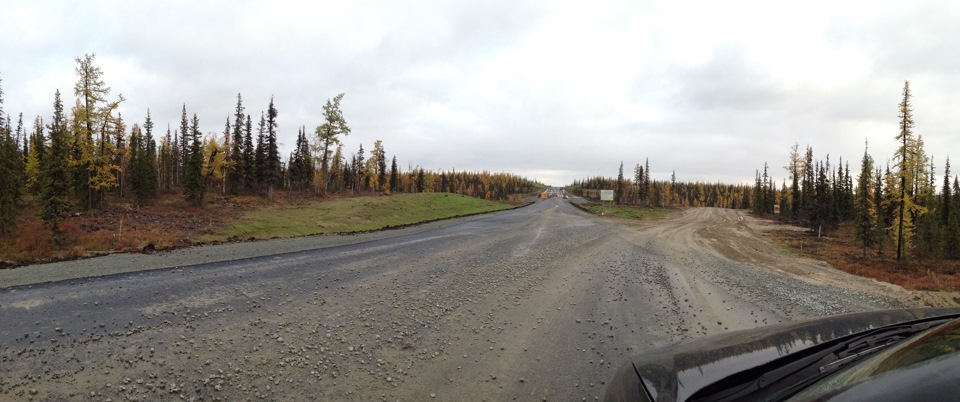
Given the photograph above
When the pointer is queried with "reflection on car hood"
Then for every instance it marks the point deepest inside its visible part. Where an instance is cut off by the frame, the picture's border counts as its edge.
(676, 372)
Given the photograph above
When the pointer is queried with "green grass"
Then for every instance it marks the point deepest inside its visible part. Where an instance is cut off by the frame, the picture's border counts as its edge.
(349, 215)
(628, 212)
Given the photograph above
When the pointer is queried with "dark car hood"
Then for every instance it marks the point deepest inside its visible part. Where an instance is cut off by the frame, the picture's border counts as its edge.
(676, 372)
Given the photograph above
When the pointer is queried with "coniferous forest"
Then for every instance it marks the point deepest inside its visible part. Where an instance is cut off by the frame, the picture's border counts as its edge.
(85, 155)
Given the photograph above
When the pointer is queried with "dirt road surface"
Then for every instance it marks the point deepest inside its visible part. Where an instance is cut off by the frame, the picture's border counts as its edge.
(539, 303)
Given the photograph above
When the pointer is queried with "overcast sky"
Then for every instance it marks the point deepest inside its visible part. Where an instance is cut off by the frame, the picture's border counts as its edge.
(552, 90)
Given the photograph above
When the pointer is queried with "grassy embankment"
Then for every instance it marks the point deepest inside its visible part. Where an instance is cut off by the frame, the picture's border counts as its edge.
(169, 222)
(626, 212)
(349, 215)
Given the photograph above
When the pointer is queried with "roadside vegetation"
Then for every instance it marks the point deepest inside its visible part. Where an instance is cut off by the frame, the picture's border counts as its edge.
(626, 211)
(350, 215)
(85, 180)
(842, 250)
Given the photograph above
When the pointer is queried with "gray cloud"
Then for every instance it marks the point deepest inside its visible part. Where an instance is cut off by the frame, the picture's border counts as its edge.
(555, 91)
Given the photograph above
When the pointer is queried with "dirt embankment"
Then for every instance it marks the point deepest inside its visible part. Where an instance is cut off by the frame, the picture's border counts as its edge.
(750, 243)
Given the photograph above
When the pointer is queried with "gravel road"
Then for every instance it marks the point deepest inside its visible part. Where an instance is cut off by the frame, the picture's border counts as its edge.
(543, 302)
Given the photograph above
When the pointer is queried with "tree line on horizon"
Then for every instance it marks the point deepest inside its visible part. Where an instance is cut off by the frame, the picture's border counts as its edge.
(75, 162)
(899, 203)
(642, 190)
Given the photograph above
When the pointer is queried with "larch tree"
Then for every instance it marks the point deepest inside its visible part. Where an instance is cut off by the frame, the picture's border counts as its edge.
(794, 169)
(328, 136)
(55, 175)
(908, 164)
(215, 163)
(92, 116)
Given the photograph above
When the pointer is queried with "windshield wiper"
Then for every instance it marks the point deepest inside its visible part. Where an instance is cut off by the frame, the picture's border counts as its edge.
(790, 374)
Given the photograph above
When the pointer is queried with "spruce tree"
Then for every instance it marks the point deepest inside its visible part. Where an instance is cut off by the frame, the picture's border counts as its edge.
(359, 178)
(808, 191)
(866, 212)
(618, 193)
(193, 183)
(382, 169)
(143, 172)
(882, 218)
(166, 161)
(247, 155)
(421, 181)
(37, 148)
(300, 167)
(10, 174)
(338, 170)
(239, 173)
(55, 175)
(946, 196)
(137, 159)
(646, 181)
(184, 146)
(952, 241)
(21, 139)
(260, 153)
(637, 183)
(119, 159)
(272, 174)
(394, 176)
(150, 158)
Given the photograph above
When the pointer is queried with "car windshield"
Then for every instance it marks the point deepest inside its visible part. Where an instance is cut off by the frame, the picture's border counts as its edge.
(926, 347)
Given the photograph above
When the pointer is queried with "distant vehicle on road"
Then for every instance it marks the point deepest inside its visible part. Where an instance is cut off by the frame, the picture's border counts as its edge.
(895, 355)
